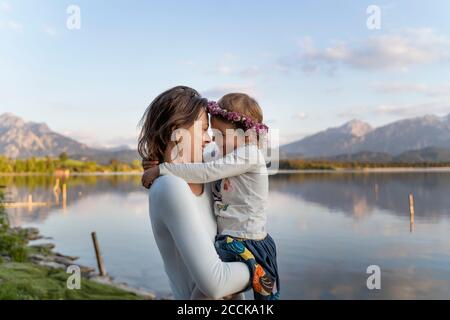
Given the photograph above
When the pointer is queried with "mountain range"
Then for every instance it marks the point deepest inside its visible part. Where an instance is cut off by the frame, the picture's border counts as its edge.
(20, 139)
(420, 139)
(356, 139)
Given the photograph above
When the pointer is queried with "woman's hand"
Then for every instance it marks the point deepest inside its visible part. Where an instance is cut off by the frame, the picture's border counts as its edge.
(149, 176)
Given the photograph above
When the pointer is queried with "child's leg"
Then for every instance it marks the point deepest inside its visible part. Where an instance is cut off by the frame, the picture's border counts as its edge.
(262, 283)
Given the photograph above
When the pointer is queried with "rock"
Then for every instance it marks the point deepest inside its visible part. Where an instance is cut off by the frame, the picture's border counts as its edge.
(38, 257)
(122, 286)
(5, 258)
(86, 271)
(48, 246)
(73, 258)
(30, 233)
(60, 261)
(63, 260)
(51, 264)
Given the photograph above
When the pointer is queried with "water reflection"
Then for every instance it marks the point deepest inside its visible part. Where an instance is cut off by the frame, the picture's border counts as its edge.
(360, 194)
(42, 189)
(329, 228)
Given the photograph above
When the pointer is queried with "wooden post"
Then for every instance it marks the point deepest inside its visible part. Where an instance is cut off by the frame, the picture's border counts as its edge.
(376, 191)
(64, 196)
(56, 191)
(411, 212)
(30, 203)
(101, 266)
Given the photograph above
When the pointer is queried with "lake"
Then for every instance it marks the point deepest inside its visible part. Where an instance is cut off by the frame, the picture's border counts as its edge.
(329, 227)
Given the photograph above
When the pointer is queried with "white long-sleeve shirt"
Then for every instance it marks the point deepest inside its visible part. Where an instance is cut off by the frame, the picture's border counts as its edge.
(240, 188)
(184, 228)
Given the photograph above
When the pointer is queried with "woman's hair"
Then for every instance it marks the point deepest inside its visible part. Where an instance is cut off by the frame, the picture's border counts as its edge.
(242, 104)
(175, 108)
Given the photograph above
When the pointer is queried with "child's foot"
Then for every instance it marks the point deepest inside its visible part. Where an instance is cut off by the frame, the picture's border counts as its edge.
(262, 283)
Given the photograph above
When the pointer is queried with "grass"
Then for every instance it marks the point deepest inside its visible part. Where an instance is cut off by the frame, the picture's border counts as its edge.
(27, 281)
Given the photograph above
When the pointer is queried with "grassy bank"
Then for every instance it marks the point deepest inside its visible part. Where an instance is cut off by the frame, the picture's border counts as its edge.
(28, 281)
(21, 278)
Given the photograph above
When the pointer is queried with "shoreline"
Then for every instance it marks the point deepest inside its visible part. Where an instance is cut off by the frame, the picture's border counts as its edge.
(74, 174)
(41, 257)
(365, 170)
(280, 171)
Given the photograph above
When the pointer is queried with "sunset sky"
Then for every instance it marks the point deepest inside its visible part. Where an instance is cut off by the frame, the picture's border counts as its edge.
(310, 64)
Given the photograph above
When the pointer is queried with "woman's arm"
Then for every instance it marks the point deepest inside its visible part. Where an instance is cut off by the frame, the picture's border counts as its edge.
(172, 200)
(240, 161)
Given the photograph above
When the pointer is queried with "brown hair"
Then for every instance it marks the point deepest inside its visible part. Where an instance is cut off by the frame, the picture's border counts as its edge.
(175, 108)
(244, 105)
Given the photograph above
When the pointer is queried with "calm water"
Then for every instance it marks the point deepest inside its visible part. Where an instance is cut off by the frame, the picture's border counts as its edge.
(329, 227)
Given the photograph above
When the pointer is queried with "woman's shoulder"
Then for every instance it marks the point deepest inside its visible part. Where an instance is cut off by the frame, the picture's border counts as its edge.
(168, 184)
(173, 192)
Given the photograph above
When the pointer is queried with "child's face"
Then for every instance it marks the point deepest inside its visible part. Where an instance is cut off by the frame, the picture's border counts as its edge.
(226, 141)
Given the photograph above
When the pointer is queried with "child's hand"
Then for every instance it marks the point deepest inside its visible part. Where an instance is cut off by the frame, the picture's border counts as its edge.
(149, 176)
(147, 164)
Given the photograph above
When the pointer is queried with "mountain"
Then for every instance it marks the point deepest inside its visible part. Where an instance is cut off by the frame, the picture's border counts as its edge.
(409, 134)
(426, 155)
(430, 154)
(20, 139)
(105, 157)
(333, 141)
(357, 137)
(364, 156)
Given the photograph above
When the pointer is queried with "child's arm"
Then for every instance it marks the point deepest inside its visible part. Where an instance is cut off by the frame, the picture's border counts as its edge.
(235, 163)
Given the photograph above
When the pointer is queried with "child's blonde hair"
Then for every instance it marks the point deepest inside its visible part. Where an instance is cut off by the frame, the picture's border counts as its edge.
(242, 104)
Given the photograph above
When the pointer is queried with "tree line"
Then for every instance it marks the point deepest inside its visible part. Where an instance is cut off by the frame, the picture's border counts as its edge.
(296, 164)
(63, 162)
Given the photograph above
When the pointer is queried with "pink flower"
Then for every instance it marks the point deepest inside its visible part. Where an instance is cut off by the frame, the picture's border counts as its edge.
(214, 109)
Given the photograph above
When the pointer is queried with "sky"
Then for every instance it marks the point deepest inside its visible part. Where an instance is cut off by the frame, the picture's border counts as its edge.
(310, 64)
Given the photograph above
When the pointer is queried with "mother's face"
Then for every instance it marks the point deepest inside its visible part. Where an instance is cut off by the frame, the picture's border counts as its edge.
(194, 140)
(200, 136)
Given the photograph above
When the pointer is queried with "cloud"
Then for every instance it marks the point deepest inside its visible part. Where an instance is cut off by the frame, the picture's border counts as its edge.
(49, 31)
(413, 109)
(300, 115)
(250, 72)
(219, 91)
(11, 25)
(5, 6)
(224, 66)
(396, 88)
(399, 50)
(399, 110)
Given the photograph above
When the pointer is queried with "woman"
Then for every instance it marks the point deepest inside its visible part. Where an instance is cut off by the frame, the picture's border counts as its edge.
(182, 216)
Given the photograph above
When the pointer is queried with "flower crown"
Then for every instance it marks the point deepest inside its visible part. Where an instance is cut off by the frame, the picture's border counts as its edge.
(215, 110)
